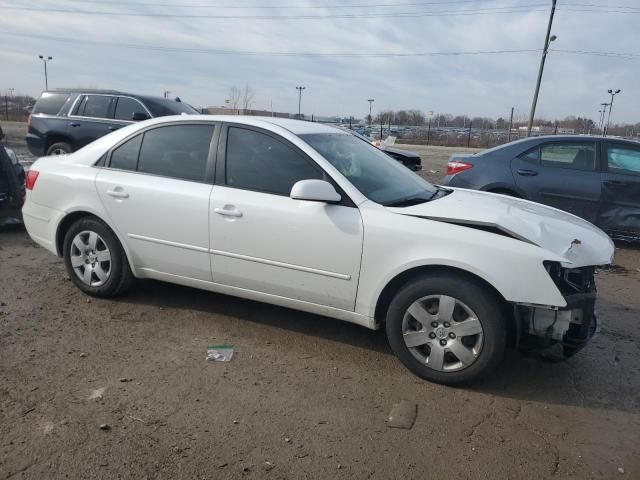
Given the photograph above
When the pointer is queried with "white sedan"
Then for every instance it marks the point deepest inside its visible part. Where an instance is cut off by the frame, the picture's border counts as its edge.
(309, 217)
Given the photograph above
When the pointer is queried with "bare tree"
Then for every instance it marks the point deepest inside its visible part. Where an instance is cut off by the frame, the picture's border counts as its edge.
(234, 98)
(247, 98)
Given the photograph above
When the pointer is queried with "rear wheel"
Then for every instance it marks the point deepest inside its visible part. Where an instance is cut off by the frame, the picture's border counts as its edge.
(60, 148)
(447, 328)
(95, 260)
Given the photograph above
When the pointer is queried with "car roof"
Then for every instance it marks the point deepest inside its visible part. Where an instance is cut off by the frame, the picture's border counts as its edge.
(297, 127)
(106, 92)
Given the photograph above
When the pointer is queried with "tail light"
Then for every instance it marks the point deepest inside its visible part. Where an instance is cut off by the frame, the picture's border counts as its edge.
(457, 167)
(30, 181)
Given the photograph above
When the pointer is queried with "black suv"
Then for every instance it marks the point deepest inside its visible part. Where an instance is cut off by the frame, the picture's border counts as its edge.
(63, 121)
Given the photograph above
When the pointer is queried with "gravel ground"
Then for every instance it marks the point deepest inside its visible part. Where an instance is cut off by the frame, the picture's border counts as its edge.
(303, 397)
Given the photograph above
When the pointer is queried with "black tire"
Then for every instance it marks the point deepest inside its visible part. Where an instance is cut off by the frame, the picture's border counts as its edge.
(59, 148)
(119, 278)
(488, 309)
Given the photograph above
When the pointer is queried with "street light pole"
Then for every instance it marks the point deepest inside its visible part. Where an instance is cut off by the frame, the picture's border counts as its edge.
(371, 100)
(602, 112)
(300, 89)
(548, 39)
(45, 60)
(612, 93)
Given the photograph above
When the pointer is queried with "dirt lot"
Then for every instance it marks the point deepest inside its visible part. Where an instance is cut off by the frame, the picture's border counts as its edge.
(303, 397)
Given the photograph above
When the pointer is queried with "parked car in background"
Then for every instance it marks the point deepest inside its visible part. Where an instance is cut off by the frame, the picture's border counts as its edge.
(307, 216)
(12, 188)
(596, 178)
(411, 160)
(63, 121)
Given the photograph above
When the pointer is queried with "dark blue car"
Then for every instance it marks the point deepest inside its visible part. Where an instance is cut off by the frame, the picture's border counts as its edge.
(596, 178)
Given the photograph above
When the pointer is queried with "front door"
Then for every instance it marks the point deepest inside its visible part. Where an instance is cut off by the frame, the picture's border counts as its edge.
(262, 240)
(156, 188)
(620, 210)
(563, 174)
(91, 119)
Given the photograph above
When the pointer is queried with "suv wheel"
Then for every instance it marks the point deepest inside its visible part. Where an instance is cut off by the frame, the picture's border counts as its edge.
(447, 328)
(60, 148)
(95, 260)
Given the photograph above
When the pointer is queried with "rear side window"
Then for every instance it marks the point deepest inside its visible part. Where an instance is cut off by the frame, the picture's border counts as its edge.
(623, 159)
(574, 155)
(179, 151)
(125, 157)
(126, 107)
(50, 103)
(256, 161)
(97, 106)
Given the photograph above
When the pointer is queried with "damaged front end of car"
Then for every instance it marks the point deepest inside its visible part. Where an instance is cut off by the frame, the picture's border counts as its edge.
(560, 332)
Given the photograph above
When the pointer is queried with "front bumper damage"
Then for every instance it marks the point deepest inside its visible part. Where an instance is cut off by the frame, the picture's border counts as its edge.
(564, 331)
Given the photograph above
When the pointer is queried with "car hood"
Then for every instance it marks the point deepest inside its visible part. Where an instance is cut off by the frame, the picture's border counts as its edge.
(573, 240)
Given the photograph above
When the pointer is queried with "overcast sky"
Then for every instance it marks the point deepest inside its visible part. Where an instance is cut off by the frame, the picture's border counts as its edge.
(476, 85)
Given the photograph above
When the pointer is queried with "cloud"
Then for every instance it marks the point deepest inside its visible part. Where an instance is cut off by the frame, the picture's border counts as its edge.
(486, 85)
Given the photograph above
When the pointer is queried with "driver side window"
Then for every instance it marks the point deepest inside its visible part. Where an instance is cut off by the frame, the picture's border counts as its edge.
(256, 161)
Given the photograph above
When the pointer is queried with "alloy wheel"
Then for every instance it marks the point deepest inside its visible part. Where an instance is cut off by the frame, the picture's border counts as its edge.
(442, 333)
(90, 258)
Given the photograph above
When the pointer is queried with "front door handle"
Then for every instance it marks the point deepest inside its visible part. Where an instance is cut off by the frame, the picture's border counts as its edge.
(527, 173)
(118, 192)
(228, 212)
(75, 124)
(616, 183)
(113, 129)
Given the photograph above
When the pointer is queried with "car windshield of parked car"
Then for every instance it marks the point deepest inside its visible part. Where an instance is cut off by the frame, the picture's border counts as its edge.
(378, 176)
(160, 107)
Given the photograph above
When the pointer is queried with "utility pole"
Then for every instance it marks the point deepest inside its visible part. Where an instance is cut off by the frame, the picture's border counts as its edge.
(548, 39)
(350, 117)
(166, 93)
(510, 123)
(612, 93)
(300, 89)
(371, 100)
(428, 131)
(469, 135)
(46, 79)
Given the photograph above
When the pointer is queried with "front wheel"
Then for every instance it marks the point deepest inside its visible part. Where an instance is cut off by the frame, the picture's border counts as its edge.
(95, 260)
(447, 328)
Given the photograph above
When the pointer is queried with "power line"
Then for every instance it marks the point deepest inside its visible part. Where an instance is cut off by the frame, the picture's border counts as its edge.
(437, 13)
(162, 48)
(293, 7)
(266, 54)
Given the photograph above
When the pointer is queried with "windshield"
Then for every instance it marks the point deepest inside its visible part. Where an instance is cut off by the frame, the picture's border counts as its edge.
(160, 107)
(378, 176)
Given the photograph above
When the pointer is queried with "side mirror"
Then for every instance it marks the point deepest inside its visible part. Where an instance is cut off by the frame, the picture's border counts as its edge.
(139, 116)
(315, 191)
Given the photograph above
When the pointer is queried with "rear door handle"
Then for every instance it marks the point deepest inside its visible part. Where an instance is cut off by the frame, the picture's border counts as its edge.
(616, 183)
(74, 124)
(113, 129)
(231, 212)
(117, 193)
(527, 173)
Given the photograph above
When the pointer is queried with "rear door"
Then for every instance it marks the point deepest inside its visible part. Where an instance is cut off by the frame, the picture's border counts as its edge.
(155, 189)
(91, 118)
(620, 210)
(564, 174)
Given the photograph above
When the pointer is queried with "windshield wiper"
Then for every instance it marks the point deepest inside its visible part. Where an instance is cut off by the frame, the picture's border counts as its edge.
(414, 200)
(407, 202)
